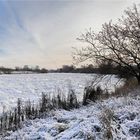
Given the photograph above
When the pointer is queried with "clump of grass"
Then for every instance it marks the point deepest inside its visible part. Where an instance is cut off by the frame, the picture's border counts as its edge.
(111, 127)
(106, 120)
(93, 94)
(72, 101)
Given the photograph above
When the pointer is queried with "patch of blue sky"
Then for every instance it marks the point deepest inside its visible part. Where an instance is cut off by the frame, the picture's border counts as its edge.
(4, 20)
(17, 18)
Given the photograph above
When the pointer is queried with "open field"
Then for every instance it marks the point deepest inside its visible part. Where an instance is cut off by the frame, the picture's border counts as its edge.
(31, 86)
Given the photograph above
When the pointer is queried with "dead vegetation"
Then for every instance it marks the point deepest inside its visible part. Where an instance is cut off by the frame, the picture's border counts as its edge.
(13, 120)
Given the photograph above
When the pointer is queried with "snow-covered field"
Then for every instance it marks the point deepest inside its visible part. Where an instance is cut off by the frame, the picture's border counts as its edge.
(31, 86)
(85, 123)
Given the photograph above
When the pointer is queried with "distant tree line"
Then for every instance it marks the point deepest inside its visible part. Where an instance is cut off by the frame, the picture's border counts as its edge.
(5, 70)
(36, 69)
(105, 67)
(73, 69)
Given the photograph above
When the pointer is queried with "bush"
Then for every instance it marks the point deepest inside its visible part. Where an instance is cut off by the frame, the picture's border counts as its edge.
(92, 93)
(125, 89)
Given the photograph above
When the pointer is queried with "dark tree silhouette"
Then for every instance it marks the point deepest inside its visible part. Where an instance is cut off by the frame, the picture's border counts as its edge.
(118, 43)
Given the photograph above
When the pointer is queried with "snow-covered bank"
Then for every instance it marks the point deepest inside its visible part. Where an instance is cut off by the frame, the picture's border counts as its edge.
(85, 123)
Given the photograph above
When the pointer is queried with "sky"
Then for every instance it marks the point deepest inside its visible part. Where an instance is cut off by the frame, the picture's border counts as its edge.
(43, 32)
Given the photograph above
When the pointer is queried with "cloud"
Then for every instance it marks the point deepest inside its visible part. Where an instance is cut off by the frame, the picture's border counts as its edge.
(43, 32)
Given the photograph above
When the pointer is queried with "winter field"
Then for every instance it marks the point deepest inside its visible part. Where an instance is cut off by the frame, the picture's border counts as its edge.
(118, 118)
(31, 86)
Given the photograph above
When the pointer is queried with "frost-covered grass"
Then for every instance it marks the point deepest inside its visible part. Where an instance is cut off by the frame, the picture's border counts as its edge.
(13, 120)
(87, 122)
(31, 86)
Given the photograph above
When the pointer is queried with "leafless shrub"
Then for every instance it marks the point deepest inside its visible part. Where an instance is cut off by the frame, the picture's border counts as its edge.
(92, 93)
(126, 88)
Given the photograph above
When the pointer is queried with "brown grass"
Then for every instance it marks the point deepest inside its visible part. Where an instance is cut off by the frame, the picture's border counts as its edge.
(106, 120)
(125, 89)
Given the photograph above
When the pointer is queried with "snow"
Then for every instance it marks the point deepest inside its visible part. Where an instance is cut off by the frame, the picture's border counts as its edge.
(85, 123)
(31, 86)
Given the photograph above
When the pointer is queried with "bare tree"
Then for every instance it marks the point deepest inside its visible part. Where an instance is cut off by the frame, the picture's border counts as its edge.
(118, 43)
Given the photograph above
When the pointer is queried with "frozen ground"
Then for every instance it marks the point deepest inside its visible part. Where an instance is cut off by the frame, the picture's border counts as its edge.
(85, 123)
(31, 86)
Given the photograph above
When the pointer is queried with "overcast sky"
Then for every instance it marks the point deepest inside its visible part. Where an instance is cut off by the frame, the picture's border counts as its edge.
(43, 32)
